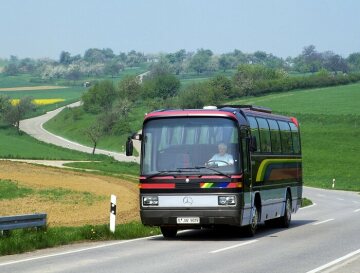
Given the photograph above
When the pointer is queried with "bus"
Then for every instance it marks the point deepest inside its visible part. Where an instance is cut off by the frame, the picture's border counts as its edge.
(233, 165)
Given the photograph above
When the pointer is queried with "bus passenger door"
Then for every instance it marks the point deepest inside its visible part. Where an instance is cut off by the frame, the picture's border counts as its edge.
(247, 178)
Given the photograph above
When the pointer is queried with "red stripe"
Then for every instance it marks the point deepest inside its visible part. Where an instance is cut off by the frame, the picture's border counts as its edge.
(157, 186)
(234, 185)
(190, 113)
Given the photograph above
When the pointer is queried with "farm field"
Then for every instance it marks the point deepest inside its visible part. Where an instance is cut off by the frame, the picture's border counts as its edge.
(63, 193)
(330, 126)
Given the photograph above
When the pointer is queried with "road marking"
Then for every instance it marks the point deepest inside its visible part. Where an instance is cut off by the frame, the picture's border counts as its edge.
(234, 246)
(334, 262)
(357, 210)
(75, 251)
(322, 222)
(310, 206)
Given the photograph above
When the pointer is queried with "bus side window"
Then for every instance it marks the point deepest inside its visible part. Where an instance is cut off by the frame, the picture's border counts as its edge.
(264, 135)
(254, 131)
(286, 140)
(275, 136)
(295, 138)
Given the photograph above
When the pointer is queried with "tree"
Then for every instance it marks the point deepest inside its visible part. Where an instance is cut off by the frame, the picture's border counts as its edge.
(15, 113)
(200, 61)
(224, 62)
(113, 68)
(4, 105)
(11, 69)
(94, 133)
(65, 58)
(354, 61)
(100, 97)
(162, 86)
(129, 88)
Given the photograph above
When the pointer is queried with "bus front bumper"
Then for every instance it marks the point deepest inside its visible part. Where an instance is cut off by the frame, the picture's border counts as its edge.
(158, 217)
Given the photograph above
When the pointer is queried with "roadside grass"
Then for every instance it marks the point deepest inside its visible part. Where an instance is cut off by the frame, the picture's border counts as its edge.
(110, 167)
(72, 127)
(306, 202)
(330, 130)
(13, 145)
(20, 241)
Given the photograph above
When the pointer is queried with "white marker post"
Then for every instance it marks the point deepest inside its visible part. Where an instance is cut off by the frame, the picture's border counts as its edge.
(333, 184)
(112, 213)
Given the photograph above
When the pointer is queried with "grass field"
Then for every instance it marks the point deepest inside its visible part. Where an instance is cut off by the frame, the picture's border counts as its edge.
(330, 127)
(65, 126)
(13, 145)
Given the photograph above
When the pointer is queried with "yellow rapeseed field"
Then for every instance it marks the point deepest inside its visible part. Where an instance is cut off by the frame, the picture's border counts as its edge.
(39, 101)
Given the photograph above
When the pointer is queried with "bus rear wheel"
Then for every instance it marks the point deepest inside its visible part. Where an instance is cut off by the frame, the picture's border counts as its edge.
(169, 232)
(285, 220)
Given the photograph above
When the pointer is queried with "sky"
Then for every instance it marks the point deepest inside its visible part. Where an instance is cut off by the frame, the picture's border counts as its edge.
(44, 28)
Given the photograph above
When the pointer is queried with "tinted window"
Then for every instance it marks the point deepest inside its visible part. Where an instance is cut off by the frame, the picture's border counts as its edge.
(254, 131)
(275, 136)
(295, 138)
(286, 140)
(264, 135)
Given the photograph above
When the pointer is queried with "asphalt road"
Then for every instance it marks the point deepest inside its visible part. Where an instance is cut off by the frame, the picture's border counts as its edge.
(322, 238)
(34, 128)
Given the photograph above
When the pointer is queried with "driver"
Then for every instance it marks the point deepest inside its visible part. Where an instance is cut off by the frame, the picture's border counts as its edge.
(222, 158)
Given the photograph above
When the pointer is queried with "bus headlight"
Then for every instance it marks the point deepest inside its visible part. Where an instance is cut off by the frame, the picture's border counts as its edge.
(150, 201)
(227, 200)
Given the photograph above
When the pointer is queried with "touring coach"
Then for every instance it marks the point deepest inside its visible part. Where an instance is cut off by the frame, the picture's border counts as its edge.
(235, 165)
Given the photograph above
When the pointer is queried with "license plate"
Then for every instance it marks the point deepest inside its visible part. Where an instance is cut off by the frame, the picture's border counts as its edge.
(188, 220)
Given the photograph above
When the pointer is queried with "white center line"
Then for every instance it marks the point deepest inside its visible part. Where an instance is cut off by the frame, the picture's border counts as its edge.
(357, 210)
(234, 246)
(334, 262)
(322, 222)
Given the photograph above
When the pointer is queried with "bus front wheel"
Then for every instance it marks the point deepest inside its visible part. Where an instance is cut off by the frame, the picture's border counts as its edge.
(169, 232)
(250, 230)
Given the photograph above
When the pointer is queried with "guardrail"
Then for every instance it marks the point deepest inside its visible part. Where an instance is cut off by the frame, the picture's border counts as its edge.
(8, 223)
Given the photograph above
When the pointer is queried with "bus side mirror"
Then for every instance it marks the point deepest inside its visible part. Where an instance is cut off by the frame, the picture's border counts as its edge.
(129, 147)
(252, 144)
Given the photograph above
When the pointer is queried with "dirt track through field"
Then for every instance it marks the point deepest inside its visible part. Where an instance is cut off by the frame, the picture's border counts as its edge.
(32, 88)
(72, 209)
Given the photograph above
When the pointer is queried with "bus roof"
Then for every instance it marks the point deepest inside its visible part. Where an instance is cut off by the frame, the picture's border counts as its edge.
(230, 111)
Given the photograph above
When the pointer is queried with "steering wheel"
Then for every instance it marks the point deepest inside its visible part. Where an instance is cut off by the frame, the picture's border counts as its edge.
(213, 163)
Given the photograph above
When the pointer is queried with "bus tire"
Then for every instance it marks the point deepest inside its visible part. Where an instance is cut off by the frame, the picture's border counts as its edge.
(250, 230)
(168, 232)
(284, 221)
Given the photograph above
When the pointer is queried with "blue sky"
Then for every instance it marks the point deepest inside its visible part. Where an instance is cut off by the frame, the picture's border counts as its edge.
(44, 28)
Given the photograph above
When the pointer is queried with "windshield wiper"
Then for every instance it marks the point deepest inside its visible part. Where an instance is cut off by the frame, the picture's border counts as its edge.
(204, 167)
(165, 172)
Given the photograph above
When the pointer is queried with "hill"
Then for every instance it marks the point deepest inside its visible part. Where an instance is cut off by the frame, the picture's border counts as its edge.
(330, 127)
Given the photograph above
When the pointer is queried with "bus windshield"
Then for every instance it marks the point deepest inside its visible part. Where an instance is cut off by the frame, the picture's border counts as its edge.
(190, 145)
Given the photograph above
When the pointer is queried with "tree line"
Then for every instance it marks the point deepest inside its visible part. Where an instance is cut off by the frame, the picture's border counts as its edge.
(99, 62)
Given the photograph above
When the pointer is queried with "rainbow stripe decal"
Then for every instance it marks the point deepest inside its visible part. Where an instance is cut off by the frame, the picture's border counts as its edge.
(221, 185)
(277, 169)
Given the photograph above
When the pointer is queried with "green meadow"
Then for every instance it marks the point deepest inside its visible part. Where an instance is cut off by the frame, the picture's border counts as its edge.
(70, 127)
(330, 132)
(13, 145)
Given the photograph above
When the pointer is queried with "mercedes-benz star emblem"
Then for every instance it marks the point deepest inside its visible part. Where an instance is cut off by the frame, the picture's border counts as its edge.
(187, 200)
